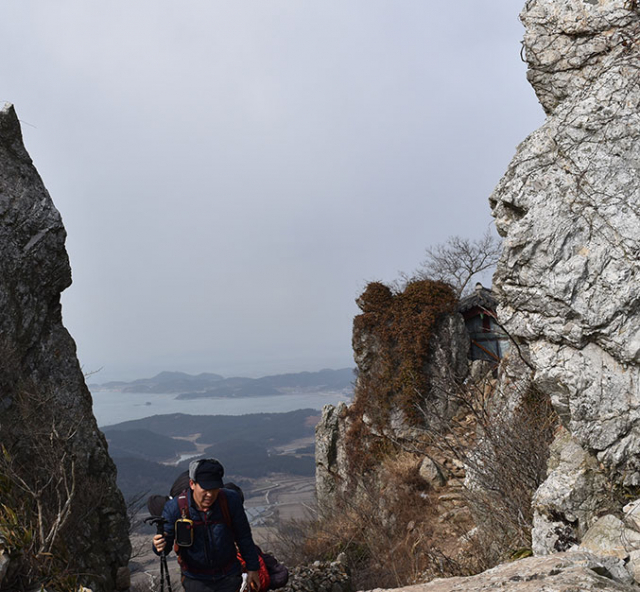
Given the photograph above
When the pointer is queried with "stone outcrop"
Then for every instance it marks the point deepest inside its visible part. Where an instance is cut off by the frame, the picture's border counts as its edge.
(46, 421)
(562, 572)
(570, 499)
(331, 461)
(569, 277)
(321, 576)
(378, 407)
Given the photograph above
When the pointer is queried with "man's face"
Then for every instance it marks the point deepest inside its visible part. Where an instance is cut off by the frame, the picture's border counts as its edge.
(204, 498)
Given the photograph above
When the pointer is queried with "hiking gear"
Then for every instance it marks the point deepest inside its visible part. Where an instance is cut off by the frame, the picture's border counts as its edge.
(180, 484)
(263, 573)
(278, 572)
(207, 473)
(184, 532)
(159, 521)
(155, 504)
(164, 573)
(234, 487)
(213, 553)
(243, 588)
(183, 505)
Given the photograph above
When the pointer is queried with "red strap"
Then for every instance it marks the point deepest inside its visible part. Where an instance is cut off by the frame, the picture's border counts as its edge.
(183, 504)
(263, 572)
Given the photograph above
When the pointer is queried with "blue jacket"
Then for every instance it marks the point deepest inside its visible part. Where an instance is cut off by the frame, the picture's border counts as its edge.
(213, 553)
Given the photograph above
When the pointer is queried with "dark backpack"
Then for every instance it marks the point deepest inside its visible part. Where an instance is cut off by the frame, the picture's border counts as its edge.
(278, 572)
(155, 504)
(180, 484)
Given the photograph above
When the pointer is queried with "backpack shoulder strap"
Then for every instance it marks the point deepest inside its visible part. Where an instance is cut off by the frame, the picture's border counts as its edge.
(224, 508)
(183, 503)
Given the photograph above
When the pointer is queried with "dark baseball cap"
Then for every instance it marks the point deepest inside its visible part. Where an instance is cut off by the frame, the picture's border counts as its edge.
(208, 474)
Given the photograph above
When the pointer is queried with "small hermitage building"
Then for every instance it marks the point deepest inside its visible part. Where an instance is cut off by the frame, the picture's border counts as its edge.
(488, 340)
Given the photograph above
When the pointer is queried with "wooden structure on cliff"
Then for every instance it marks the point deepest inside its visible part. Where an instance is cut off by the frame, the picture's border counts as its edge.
(488, 340)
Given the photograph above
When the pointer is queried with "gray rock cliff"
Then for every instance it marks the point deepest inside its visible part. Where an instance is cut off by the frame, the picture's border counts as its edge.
(379, 407)
(568, 280)
(57, 465)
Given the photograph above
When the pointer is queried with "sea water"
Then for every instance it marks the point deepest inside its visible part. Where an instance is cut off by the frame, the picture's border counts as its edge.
(111, 407)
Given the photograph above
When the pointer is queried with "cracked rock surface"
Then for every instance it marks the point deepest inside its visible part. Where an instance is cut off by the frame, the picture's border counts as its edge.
(568, 208)
(46, 419)
(562, 572)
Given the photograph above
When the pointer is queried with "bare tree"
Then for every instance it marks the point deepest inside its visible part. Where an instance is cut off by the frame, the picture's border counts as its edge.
(458, 260)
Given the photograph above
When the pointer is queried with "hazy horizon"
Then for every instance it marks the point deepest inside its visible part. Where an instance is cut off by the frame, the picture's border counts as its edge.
(92, 382)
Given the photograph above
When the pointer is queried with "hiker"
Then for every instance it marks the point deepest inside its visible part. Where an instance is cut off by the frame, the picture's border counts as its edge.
(204, 521)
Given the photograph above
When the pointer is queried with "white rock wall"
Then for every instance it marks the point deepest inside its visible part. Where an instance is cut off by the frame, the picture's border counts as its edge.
(568, 208)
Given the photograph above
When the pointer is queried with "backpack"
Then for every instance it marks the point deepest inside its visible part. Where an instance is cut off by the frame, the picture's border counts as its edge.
(278, 573)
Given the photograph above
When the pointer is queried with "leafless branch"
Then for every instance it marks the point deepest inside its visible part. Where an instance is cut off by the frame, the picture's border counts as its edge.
(458, 260)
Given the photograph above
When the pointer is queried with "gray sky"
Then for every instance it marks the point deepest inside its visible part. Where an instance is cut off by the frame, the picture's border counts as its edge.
(232, 174)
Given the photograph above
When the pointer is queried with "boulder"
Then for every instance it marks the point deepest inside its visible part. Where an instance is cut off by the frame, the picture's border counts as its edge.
(610, 538)
(567, 503)
(632, 515)
(431, 473)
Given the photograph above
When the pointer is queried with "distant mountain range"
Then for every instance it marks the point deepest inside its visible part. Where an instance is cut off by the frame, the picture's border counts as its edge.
(207, 385)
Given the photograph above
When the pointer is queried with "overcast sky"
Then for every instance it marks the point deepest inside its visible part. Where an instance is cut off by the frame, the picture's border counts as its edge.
(232, 174)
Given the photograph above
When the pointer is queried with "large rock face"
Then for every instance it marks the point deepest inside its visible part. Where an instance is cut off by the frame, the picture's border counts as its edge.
(46, 420)
(569, 277)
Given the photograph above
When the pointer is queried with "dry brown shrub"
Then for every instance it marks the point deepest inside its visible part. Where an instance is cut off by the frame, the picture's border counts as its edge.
(42, 505)
(503, 442)
(389, 523)
(384, 530)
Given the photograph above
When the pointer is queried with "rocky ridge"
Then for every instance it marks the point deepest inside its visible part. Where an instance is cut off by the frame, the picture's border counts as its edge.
(46, 416)
(445, 364)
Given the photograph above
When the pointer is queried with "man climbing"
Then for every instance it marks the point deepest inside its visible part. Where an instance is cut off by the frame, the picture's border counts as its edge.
(206, 523)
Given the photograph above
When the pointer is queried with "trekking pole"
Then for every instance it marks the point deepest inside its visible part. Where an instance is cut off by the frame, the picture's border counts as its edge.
(163, 565)
(159, 521)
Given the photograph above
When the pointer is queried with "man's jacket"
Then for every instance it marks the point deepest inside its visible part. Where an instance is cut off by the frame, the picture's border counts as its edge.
(213, 553)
